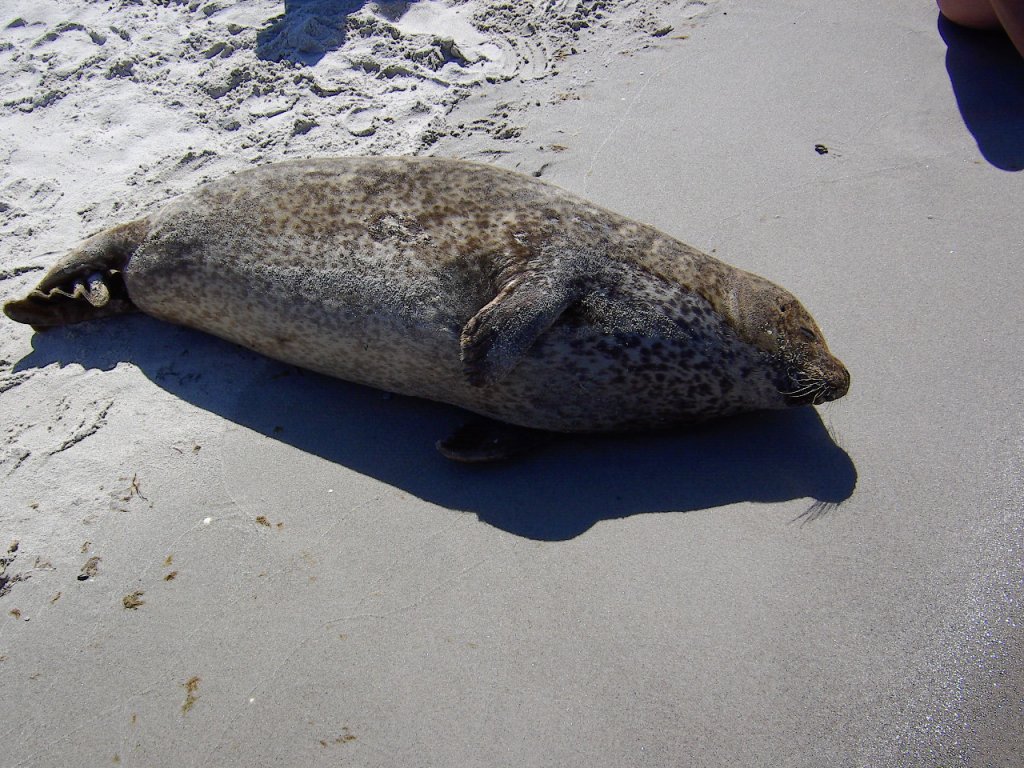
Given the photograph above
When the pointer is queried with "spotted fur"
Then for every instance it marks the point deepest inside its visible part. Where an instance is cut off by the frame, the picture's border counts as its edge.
(461, 283)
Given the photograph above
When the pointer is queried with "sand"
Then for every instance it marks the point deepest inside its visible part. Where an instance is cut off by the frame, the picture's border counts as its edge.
(209, 558)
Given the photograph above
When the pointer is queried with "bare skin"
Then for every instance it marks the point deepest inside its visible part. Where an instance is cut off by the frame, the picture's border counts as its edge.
(991, 15)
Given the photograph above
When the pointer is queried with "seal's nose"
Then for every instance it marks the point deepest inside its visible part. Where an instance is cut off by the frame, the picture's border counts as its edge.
(839, 383)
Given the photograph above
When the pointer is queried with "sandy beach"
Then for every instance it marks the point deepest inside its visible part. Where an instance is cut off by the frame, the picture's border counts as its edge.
(211, 558)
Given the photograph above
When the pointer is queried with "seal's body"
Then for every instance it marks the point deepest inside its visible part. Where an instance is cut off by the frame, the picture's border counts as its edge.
(456, 282)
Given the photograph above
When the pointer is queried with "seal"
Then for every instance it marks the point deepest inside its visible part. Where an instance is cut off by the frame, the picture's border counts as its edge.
(458, 282)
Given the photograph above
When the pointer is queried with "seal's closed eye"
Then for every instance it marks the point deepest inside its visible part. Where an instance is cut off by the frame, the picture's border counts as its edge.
(808, 334)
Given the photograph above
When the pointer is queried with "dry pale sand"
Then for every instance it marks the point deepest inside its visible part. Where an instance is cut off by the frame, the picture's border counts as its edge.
(213, 559)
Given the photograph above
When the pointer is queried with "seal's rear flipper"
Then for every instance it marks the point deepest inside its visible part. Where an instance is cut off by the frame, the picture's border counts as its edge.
(86, 284)
(487, 441)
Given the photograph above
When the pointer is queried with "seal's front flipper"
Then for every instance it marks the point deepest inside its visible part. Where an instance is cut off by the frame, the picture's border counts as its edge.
(488, 441)
(496, 338)
(86, 284)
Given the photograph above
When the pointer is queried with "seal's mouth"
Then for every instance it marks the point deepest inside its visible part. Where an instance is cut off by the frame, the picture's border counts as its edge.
(815, 390)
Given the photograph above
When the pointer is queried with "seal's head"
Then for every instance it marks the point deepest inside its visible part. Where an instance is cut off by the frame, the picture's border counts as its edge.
(771, 318)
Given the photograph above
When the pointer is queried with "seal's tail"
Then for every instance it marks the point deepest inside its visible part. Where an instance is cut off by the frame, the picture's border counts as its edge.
(86, 284)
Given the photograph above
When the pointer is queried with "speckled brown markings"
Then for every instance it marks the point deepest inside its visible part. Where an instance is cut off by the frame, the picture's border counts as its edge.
(456, 282)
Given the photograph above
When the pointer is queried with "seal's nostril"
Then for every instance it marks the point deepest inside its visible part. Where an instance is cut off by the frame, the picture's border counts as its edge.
(841, 384)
